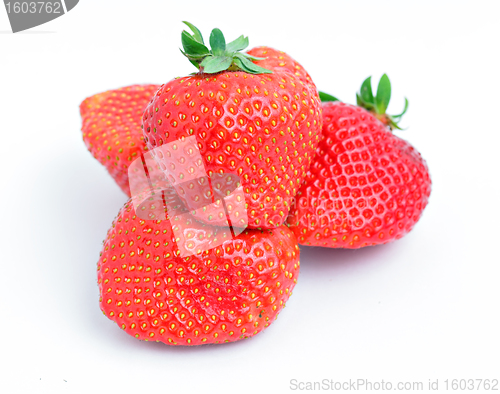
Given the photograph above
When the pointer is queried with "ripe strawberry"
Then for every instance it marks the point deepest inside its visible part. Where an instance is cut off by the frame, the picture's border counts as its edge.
(366, 186)
(224, 294)
(261, 124)
(111, 126)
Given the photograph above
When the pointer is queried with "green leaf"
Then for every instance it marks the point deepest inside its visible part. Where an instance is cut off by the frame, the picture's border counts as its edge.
(394, 125)
(383, 94)
(194, 63)
(325, 97)
(191, 46)
(359, 100)
(215, 64)
(362, 103)
(238, 63)
(366, 90)
(196, 33)
(249, 67)
(191, 59)
(217, 42)
(191, 56)
(253, 57)
(404, 110)
(237, 45)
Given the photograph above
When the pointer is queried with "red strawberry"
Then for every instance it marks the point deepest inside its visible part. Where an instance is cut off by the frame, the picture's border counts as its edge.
(366, 186)
(261, 124)
(111, 126)
(224, 294)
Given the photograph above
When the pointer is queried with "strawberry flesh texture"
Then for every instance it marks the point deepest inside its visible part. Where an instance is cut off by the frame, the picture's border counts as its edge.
(365, 187)
(111, 126)
(227, 293)
(263, 128)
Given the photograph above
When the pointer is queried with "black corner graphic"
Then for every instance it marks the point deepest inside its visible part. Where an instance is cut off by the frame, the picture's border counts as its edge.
(25, 14)
(70, 4)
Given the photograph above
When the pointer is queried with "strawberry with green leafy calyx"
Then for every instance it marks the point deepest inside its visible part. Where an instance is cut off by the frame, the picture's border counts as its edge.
(366, 186)
(257, 118)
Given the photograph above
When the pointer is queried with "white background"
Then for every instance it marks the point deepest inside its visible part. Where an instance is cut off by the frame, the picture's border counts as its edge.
(425, 307)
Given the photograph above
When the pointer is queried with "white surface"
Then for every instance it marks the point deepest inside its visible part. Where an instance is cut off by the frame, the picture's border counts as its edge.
(425, 307)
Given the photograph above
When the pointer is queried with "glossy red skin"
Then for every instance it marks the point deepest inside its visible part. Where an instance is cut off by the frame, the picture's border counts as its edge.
(228, 293)
(264, 128)
(279, 61)
(365, 187)
(111, 127)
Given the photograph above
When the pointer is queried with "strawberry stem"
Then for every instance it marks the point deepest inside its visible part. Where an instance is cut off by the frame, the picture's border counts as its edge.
(378, 104)
(221, 56)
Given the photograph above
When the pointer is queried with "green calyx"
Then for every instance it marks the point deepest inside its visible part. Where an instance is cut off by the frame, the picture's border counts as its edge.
(325, 97)
(221, 56)
(378, 104)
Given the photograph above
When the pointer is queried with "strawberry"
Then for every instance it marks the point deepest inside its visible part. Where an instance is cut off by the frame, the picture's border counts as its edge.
(366, 186)
(262, 124)
(223, 294)
(111, 126)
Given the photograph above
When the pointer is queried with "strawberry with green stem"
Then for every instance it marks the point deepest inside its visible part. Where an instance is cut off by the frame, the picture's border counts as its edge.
(258, 118)
(366, 186)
